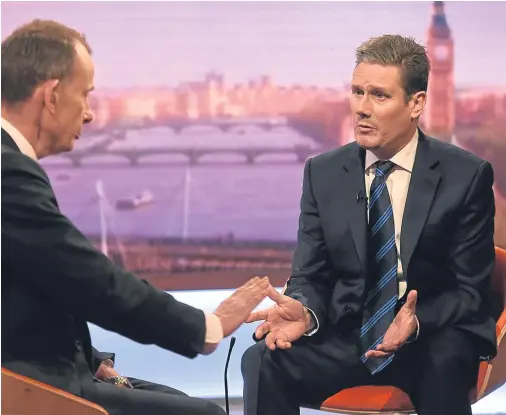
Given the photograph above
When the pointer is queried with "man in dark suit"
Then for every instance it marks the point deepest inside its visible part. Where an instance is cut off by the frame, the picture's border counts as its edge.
(390, 278)
(53, 279)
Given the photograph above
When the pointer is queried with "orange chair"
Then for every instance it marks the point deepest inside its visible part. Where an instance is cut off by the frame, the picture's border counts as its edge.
(386, 400)
(24, 396)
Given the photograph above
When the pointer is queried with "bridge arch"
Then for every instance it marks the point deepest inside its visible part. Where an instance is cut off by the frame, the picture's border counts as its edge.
(105, 159)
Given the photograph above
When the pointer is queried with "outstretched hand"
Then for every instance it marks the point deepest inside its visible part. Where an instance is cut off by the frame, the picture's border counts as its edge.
(235, 309)
(285, 322)
(402, 328)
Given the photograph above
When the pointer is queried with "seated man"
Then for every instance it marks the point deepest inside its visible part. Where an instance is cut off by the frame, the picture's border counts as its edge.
(391, 275)
(54, 280)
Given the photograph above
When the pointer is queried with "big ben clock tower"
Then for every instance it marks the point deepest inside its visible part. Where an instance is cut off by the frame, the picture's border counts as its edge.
(439, 119)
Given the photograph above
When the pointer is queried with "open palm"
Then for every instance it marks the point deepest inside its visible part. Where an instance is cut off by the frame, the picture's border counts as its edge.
(285, 322)
(402, 328)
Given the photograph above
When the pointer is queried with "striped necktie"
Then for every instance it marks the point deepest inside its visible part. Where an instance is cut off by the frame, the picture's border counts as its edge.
(383, 294)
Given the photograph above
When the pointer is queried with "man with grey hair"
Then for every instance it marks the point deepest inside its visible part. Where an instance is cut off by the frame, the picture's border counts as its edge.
(390, 279)
(54, 280)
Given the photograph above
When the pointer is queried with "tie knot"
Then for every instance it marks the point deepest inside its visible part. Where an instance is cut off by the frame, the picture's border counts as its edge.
(383, 168)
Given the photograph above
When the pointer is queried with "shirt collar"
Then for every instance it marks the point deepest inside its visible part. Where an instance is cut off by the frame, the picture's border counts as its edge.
(404, 158)
(24, 146)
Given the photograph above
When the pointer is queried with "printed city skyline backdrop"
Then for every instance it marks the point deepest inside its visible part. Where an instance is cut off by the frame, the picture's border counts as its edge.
(190, 175)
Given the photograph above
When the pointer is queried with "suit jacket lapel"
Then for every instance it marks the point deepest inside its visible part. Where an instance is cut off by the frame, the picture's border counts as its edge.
(422, 188)
(356, 206)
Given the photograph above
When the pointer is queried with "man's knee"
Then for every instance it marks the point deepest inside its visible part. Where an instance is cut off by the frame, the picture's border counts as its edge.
(154, 387)
(452, 357)
(451, 373)
(450, 367)
(212, 408)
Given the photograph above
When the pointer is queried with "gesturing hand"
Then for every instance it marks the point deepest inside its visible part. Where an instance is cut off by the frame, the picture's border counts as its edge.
(235, 309)
(285, 322)
(401, 329)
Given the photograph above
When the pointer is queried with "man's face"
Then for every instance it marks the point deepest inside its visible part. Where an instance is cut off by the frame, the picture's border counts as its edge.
(70, 108)
(383, 121)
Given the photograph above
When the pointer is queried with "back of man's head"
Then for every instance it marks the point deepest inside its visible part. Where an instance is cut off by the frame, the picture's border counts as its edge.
(35, 53)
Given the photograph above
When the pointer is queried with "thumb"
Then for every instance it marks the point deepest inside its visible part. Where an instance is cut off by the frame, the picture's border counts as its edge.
(257, 315)
(411, 300)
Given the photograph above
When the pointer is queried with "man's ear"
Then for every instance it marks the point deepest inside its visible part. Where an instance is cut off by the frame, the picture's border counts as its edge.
(51, 94)
(418, 102)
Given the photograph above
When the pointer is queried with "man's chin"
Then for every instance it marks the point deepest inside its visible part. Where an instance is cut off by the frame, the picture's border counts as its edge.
(368, 144)
(64, 149)
(368, 140)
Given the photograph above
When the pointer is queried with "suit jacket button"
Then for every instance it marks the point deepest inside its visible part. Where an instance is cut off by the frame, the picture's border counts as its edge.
(348, 309)
(77, 345)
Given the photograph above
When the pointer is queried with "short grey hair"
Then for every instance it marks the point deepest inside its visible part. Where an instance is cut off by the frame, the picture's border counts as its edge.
(34, 53)
(403, 52)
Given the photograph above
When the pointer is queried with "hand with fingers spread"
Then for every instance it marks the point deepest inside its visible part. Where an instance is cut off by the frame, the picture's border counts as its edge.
(285, 322)
(235, 309)
(402, 328)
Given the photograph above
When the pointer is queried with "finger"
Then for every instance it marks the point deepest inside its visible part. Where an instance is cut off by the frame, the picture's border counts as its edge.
(253, 282)
(270, 341)
(387, 348)
(411, 300)
(274, 295)
(255, 292)
(373, 354)
(262, 330)
(257, 315)
(282, 344)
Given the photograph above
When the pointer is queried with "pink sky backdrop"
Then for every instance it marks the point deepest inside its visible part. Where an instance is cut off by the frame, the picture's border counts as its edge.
(164, 43)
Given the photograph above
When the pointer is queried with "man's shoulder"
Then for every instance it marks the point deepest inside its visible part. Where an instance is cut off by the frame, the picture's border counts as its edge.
(336, 155)
(457, 157)
(15, 160)
(18, 168)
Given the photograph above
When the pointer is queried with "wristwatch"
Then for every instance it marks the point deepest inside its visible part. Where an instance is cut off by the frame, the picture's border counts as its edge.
(119, 381)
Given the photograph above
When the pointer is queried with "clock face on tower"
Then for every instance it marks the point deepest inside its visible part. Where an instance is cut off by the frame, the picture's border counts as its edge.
(441, 52)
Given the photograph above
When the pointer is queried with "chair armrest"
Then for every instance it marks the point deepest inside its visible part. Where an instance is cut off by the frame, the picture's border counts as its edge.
(493, 374)
(24, 396)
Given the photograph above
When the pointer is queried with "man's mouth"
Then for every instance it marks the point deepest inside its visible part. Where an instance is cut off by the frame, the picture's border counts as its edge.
(365, 126)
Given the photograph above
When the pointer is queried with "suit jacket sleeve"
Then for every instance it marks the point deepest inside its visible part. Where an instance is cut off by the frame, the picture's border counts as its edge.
(471, 259)
(311, 279)
(45, 249)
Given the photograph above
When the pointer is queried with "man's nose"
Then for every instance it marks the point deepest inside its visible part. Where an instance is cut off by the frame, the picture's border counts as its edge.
(88, 117)
(364, 109)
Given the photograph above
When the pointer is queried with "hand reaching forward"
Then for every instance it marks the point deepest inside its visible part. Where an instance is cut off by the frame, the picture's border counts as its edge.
(402, 328)
(235, 309)
(285, 322)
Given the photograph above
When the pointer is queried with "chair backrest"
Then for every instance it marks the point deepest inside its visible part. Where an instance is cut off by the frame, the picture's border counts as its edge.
(24, 396)
(499, 275)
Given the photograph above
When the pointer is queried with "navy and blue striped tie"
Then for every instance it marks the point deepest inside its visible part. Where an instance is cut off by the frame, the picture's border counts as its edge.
(383, 294)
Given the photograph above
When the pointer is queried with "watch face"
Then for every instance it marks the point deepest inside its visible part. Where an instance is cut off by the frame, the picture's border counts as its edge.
(441, 52)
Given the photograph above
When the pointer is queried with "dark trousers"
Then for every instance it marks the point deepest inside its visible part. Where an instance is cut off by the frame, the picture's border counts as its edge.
(437, 372)
(148, 399)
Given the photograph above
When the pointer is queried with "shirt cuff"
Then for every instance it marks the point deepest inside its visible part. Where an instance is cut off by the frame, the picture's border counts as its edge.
(284, 289)
(414, 336)
(214, 333)
(315, 323)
